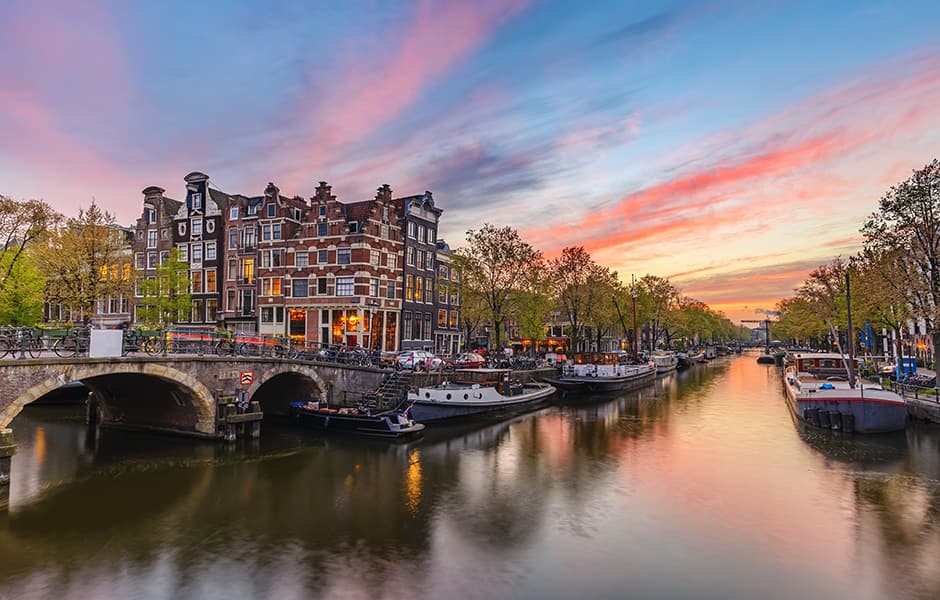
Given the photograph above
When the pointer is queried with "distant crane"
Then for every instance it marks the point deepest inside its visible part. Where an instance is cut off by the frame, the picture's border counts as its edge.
(766, 323)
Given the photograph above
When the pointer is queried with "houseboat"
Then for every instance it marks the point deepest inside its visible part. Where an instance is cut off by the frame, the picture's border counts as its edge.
(473, 393)
(356, 421)
(665, 361)
(602, 372)
(818, 391)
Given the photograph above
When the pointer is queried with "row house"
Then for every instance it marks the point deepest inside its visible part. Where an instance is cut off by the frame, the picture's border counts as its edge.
(353, 274)
(448, 335)
(419, 219)
(341, 272)
(239, 302)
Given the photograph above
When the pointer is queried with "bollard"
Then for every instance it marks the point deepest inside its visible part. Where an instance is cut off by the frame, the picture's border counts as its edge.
(255, 431)
(7, 450)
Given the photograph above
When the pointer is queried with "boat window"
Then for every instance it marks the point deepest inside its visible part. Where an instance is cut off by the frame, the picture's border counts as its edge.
(466, 397)
(448, 396)
(427, 394)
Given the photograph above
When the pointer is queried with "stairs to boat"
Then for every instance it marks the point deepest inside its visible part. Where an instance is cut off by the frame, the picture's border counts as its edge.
(391, 392)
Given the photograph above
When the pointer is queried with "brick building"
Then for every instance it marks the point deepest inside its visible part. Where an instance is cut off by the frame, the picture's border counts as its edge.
(239, 308)
(152, 237)
(448, 333)
(419, 219)
(279, 221)
(198, 230)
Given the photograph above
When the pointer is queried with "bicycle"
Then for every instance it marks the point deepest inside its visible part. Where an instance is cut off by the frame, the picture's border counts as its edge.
(71, 346)
(20, 342)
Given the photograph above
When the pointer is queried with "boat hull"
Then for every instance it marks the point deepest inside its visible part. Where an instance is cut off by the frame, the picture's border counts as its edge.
(871, 410)
(431, 404)
(385, 425)
(602, 384)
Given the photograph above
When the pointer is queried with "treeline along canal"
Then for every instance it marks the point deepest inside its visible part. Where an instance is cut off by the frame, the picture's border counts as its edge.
(702, 486)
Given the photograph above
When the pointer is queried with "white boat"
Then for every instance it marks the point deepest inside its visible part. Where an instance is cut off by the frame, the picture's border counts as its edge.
(698, 356)
(475, 392)
(665, 361)
(818, 392)
(602, 372)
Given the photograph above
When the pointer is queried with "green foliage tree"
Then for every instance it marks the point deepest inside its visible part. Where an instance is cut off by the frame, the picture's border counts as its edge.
(655, 297)
(495, 268)
(165, 298)
(85, 260)
(22, 297)
(584, 293)
(907, 227)
(22, 224)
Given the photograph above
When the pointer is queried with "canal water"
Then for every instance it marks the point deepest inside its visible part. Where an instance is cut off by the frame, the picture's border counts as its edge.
(702, 486)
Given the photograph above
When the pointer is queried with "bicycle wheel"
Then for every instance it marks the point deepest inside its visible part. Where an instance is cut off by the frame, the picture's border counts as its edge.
(34, 347)
(4, 347)
(65, 347)
(152, 345)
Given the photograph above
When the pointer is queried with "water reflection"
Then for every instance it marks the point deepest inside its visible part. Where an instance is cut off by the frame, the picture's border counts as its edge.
(701, 485)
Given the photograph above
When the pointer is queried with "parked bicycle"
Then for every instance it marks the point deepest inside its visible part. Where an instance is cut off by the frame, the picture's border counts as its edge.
(20, 341)
(72, 345)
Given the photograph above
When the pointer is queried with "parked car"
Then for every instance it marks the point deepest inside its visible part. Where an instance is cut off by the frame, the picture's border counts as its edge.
(418, 360)
(470, 360)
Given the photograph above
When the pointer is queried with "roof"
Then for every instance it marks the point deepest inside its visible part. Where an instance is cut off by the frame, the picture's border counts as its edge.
(220, 198)
(358, 211)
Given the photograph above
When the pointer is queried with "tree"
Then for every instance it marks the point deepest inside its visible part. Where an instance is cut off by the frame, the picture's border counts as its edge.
(494, 269)
(86, 260)
(584, 293)
(22, 297)
(907, 224)
(165, 299)
(22, 223)
(655, 297)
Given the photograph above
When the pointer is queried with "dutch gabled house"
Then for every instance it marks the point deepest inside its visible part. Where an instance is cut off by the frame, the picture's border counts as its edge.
(419, 218)
(239, 308)
(152, 238)
(279, 220)
(448, 334)
(342, 277)
(198, 231)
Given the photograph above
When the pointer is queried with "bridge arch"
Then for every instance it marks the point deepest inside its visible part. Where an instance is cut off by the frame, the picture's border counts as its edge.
(282, 384)
(181, 402)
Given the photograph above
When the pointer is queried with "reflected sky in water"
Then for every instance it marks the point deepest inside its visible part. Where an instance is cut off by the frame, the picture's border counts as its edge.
(703, 486)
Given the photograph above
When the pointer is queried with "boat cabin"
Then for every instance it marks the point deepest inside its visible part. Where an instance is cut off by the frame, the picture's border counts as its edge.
(823, 365)
(495, 378)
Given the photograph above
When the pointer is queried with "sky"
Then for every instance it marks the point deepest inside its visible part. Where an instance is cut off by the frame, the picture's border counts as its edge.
(730, 147)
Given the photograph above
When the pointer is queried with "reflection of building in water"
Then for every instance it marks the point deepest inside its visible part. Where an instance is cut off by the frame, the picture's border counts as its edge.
(413, 481)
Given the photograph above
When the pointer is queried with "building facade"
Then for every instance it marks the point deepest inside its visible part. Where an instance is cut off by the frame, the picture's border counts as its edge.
(448, 333)
(152, 239)
(419, 220)
(239, 308)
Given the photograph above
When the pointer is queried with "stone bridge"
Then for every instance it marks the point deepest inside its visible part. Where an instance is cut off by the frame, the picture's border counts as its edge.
(180, 394)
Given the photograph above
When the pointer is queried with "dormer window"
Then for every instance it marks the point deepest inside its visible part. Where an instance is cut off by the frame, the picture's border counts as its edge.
(354, 227)
(252, 210)
(197, 201)
(233, 213)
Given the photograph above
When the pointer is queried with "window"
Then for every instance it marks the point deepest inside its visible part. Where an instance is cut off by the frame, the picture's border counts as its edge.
(197, 201)
(164, 256)
(299, 288)
(422, 233)
(248, 270)
(344, 286)
(393, 261)
(138, 260)
(233, 213)
(423, 259)
(298, 214)
(151, 216)
(247, 302)
(125, 306)
(321, 286)
(416, 329)
(441, 295)
(406, 325)
(182, 228)
(374, 287)
(419, 289)
(323, 256)
(321, 229)
(272, 209)
(267, 314)
(164, 233)
(390, 289)
(212, 309)
(151, 260)
(197, 226)
(210, 225)
(374, 257)
(152, 238)
(252, 210)
(384, 231)
(276, 231)
(271, 286)
(197, 311)
(343, 256)
(275, 258)
(409, 287)
(323, 210)
(230, 299)
(354, 227)
(196, 279)
(385, 213)
(427, 326)
(127, 272)
(265, 233)
(442, 318)
(232, 238)
(413, 230)
(453, 319)
(184, 252)
(411, 256)
(232, 272)
(443, 271)
(210, 281)
(197, 253)
(301, 259)
(428, 289)
(250, 238)
(265, 260)
(210, 250)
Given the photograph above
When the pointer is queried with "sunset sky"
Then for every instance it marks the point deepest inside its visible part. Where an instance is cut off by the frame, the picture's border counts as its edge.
(729, 146)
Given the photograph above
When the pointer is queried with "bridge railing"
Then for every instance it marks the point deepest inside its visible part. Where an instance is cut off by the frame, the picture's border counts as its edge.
(73, 342)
